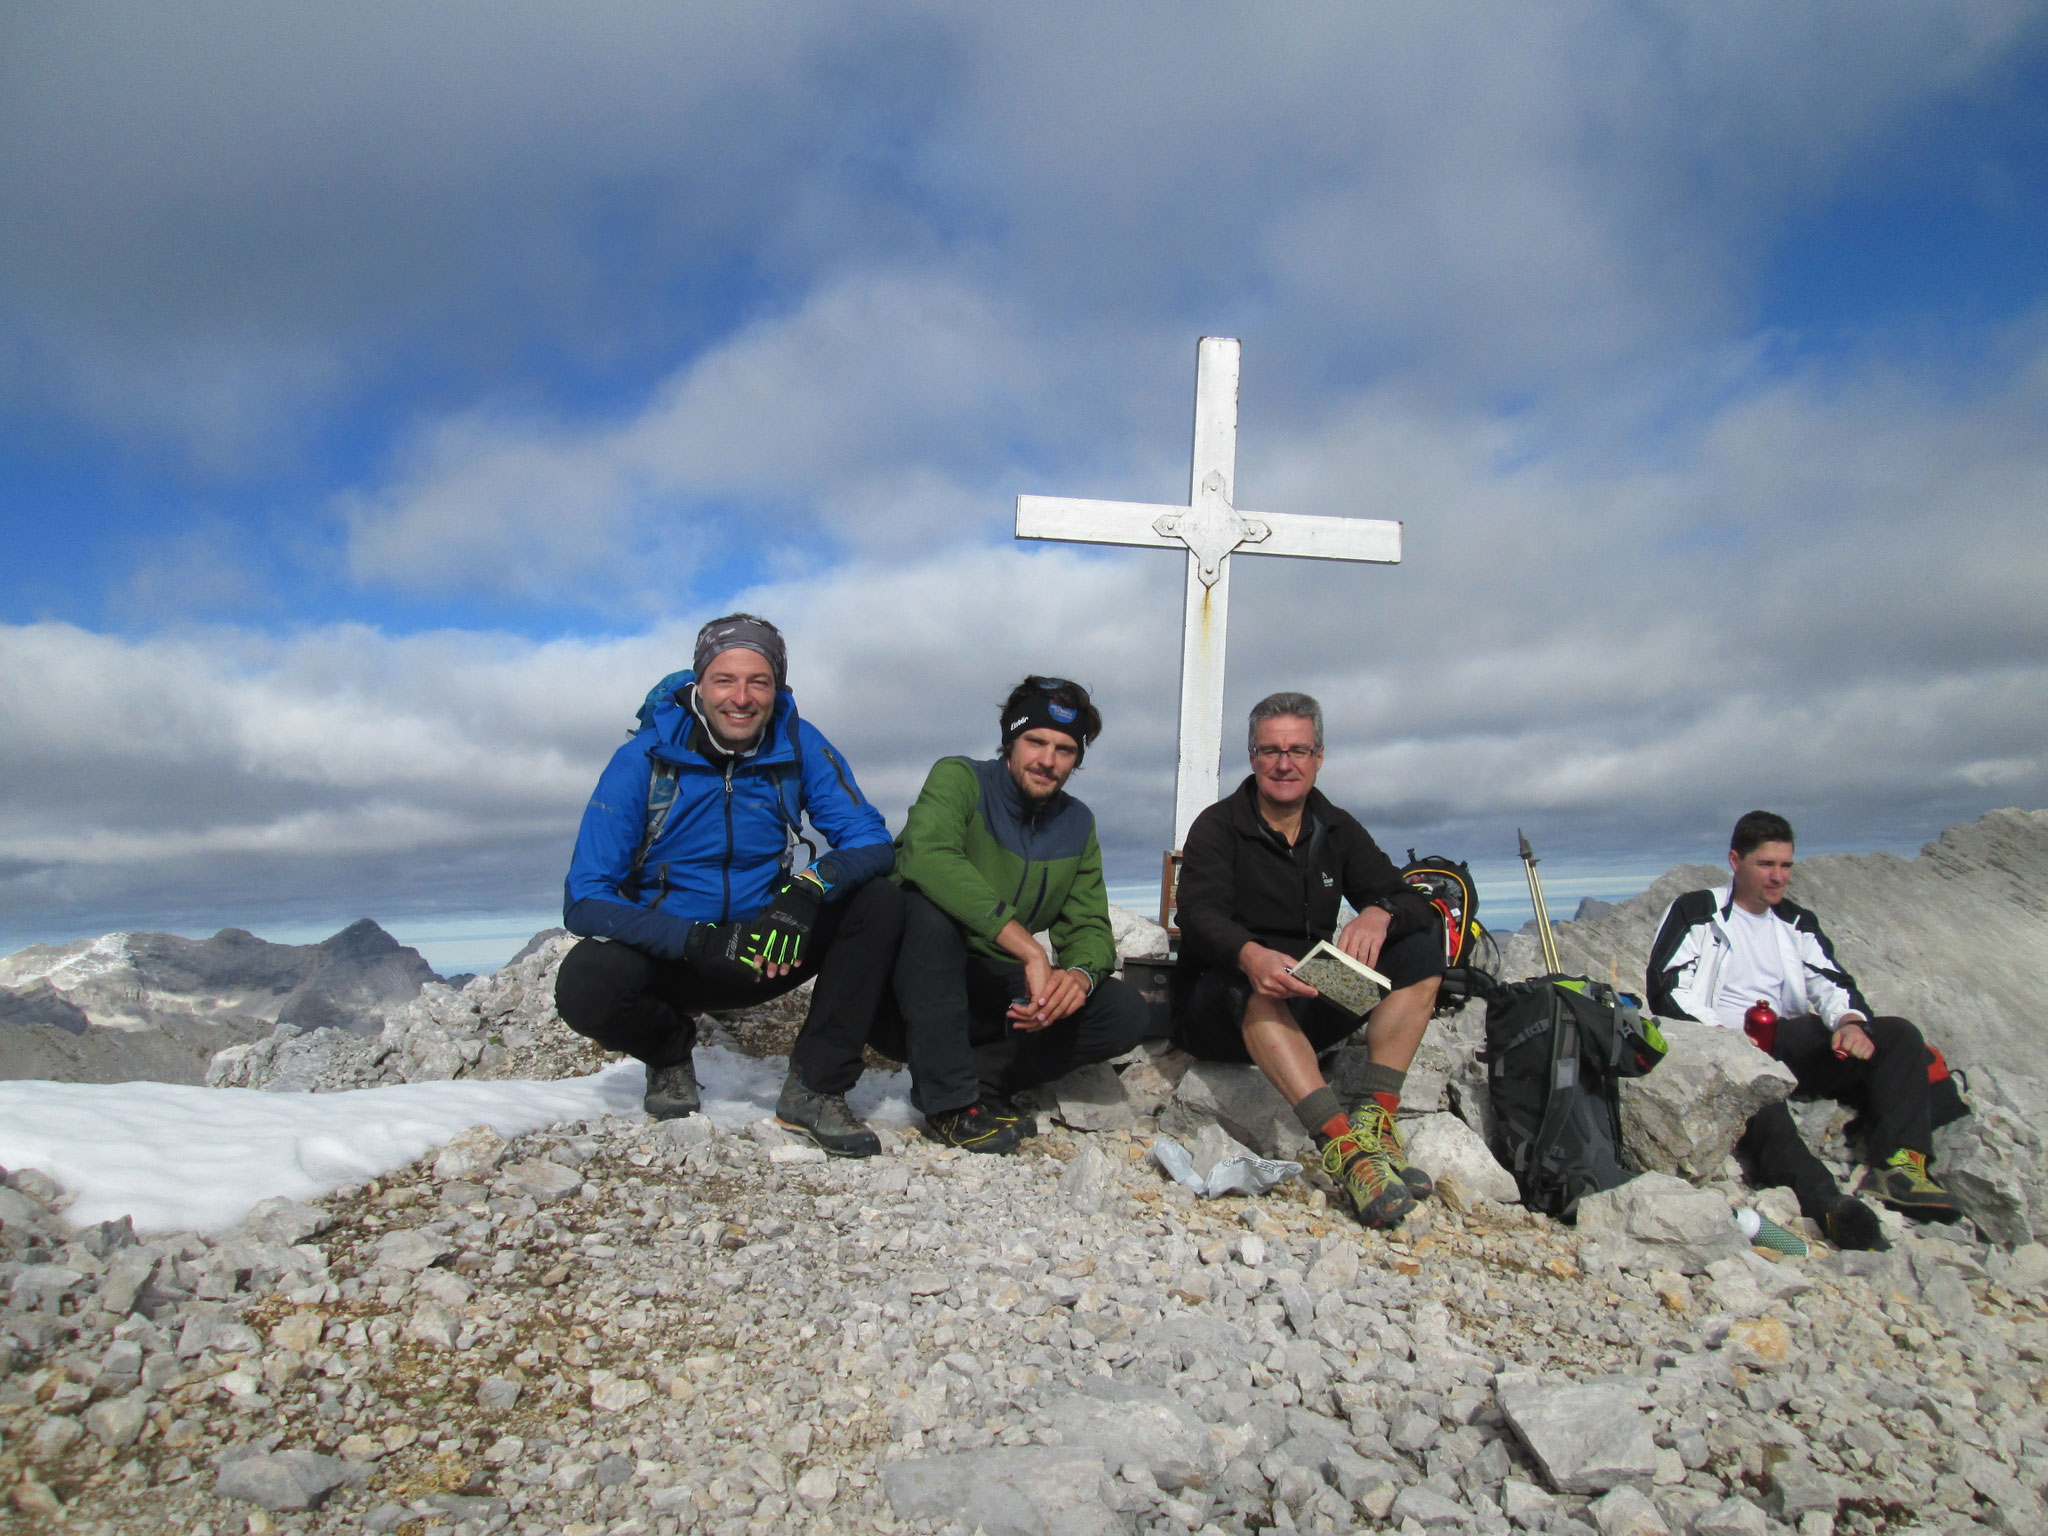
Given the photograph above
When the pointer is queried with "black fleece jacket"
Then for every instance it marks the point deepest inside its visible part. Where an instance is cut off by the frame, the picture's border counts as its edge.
(1240, 883)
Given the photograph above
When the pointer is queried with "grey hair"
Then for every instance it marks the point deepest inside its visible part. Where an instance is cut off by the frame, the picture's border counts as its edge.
(1297, 706)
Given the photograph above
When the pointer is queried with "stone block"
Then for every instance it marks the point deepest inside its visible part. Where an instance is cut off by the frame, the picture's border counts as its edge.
(284, 1480)
(1091, 1098)
(1446, 1148)
(1731, 1517)
(1627, 1511)
(285, 1222)
(1088, 1180)
(544, 1181)
(1797, 1487)
(1687, 1115)
(470, 1154)
(1029, 1490)
(412, 1251)
(1586, 1437)
(1659, 1221)
(1242, 1101)
(1145, 1425)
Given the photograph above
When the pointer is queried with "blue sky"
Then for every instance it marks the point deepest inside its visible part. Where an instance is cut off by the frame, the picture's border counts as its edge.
(387, 394)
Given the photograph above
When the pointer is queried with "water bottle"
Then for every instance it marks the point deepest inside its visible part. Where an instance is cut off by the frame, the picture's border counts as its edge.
(1761, 1025)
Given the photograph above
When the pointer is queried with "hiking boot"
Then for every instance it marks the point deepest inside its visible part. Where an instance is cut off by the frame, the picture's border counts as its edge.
(1904, 1185)
(1358, 1162)
(1007, 1109)
(824, 1118)
(977, 1128)
(672, 1091)
(1852, 1224)
(1372, 1121)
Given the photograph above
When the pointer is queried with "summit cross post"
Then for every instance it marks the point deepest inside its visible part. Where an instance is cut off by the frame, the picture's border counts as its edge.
(1210, 528)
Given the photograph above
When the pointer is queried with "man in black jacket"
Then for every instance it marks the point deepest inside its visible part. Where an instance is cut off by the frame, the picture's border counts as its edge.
(1261, 878)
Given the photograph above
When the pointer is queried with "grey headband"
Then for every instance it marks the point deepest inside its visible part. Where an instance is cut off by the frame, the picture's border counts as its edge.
(742, 631)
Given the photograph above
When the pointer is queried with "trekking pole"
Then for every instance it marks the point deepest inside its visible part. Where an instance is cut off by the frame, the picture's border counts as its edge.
(1543, 933)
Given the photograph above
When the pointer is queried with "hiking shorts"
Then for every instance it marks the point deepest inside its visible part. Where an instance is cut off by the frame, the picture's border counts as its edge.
(1211, 1026)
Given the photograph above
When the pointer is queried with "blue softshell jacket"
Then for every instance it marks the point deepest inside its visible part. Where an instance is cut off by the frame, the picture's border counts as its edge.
(720, 853)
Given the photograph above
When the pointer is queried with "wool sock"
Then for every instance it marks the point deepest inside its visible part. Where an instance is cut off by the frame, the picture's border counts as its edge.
(1383, 1085)
(1322, 1114)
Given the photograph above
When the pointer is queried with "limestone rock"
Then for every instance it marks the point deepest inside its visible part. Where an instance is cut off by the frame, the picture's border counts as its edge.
(285, 1222)
(284, 1480)
(1088, 1180)
(1032, 1490)
(1144, 1425)
(1242, 1101)
(1092, 1098)
(1448, 1149)
(1627, 1511)
(545, 1181)
(1686, 1116)
(1148, 1084)
(413, 1250)
(1731, 1517)
(1659, 1221)
(470, 1154)
(1587, 1438)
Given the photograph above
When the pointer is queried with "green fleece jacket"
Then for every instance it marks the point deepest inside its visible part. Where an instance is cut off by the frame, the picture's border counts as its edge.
(984, 855)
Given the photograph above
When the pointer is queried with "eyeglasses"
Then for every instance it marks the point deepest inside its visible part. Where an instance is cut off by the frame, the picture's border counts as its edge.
(1292, 754)
(1048, 684)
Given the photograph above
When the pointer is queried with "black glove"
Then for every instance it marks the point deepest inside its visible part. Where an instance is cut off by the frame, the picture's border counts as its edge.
(778, 934)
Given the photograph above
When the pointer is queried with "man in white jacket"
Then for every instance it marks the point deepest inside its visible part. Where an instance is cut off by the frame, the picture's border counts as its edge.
(1721, 952)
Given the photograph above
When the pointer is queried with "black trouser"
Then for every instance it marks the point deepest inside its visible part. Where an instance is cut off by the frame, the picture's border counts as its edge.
(1209, 1023)
(626, 1000)
(949, 1027)
(1889, 1091)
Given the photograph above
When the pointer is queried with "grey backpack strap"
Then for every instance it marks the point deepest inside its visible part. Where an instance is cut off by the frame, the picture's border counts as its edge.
(662, 783)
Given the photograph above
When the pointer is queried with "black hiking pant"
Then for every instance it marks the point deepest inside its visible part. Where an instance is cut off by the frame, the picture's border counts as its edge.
(948, 1023)
(627, 1000)
(1889, 1092)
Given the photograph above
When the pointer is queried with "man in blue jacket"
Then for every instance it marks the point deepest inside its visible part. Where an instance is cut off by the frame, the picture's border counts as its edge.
(686, 893)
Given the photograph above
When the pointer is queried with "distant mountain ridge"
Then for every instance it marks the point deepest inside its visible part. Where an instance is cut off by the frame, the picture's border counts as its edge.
(156, 1006)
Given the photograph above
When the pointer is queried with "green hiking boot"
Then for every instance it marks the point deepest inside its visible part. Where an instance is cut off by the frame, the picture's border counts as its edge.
(1358, 1162)
(672, 1091)
(1904, 1184)
(977, 1128)
(825, 1119)
(1372, 1119)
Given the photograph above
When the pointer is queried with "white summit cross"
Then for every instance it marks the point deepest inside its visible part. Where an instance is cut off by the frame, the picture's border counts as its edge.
(1209, 528)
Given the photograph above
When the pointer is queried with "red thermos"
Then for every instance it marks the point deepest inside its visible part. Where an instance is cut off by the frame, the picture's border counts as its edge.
(1761, 1024)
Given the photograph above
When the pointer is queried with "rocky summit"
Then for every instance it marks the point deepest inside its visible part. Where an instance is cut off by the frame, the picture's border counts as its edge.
(629, 1328)
(626, 1327)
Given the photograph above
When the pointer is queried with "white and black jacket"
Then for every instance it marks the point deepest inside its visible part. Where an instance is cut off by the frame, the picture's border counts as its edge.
(1693, 944)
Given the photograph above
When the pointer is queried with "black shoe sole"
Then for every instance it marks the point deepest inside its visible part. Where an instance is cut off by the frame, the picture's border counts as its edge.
(671, 1109)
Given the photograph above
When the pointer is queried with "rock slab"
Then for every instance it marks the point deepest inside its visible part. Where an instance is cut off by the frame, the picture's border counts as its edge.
(1687, 1115)
(1587, 1438)
(1659, 1221)
(1032, 1490)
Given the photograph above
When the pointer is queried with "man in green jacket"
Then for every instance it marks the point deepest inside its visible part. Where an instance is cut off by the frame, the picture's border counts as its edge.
(992, 853)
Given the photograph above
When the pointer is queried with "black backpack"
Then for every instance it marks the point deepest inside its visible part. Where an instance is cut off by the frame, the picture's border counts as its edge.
(1556, 1050)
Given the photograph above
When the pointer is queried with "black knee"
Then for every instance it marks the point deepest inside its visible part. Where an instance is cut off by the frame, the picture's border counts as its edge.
(1889, 1034)
(594, 980)
(1125, 1013)
(928, 932)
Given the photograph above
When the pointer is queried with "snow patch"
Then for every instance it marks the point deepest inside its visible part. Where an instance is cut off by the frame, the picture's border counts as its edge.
(179, 1158)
